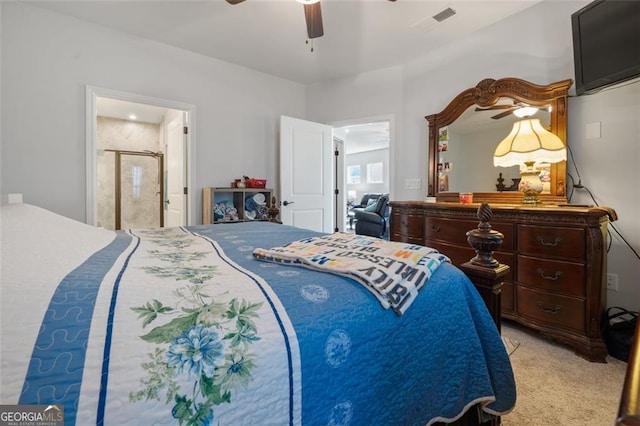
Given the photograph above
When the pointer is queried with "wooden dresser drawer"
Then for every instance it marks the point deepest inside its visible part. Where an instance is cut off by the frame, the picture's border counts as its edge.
(450, 230)
(407, 224)
(406, 239)
(555, 275)
(554, 309)
(454, 231)
(552, 242)
(460, 255)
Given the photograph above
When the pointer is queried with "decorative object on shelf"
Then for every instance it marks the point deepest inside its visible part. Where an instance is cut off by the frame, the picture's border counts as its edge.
(255, 207)
(225, 211)
(500, 186)
(529, 143)
(273, 211)
(466, 197)
(254, 183)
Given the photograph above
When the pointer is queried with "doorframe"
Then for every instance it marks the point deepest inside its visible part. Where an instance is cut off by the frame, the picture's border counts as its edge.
(341, 186)
(91, 125)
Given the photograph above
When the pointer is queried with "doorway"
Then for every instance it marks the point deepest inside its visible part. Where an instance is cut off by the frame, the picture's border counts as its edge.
(155, 129)
(367, 164)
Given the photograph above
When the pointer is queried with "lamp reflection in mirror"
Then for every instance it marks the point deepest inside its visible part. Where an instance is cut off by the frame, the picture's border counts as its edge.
(527, 144)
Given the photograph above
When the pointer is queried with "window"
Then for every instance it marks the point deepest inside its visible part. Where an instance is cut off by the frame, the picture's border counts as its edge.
(353, 174)
(375, 173)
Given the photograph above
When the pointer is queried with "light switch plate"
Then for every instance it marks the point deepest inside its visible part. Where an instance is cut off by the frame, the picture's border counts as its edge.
(412, 183)
(15, 198)
(593, 130)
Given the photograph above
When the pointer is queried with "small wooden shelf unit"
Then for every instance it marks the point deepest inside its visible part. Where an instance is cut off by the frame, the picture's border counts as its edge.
(238, 196)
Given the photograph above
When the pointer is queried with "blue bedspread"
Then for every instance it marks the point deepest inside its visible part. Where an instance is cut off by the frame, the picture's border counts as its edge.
(367, 366)
(184, 326)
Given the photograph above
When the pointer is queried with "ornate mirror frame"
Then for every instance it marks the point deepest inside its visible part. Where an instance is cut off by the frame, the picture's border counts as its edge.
(486, 93)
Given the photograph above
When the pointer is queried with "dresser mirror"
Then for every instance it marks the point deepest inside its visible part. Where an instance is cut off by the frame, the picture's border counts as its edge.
(463, 138)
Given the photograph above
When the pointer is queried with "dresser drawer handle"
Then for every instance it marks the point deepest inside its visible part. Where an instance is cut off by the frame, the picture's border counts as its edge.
(553, 310)
(540, 272)
(557, 241)
(435, 228)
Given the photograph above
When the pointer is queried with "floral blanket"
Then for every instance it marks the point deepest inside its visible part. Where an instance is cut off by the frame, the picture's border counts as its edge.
(184, 326)
(184, 330)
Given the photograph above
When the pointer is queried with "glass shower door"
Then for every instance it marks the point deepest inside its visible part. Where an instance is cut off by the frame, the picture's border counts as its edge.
(130, 189)
(140, 197)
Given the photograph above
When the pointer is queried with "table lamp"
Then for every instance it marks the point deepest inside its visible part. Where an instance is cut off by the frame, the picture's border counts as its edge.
(529, 143)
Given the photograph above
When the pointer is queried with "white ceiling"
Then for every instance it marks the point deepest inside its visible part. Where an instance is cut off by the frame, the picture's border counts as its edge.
(270, 35)
(363, 137)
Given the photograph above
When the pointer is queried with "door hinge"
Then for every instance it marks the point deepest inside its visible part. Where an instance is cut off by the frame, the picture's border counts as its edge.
(336, 153)
(186, 130)
(185, 192)
(336, 191)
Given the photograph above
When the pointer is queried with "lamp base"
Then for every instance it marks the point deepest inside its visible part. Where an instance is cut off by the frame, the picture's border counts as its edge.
(530, 184)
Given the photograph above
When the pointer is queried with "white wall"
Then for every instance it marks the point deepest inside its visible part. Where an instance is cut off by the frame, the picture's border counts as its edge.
(362, 159)
(608, 168)
(535, 45)
(48, 59)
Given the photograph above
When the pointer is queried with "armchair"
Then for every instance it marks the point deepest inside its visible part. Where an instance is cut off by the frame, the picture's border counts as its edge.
(365, 201)
(373, 220)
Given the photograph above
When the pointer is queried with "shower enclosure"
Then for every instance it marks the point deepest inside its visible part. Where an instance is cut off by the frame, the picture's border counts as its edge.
(130, 191)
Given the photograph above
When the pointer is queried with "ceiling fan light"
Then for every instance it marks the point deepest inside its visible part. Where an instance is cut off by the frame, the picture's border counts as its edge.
(307, 1)
(525, 112)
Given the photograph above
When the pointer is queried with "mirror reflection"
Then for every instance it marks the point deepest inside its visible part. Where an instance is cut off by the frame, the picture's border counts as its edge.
(466, 146)
(472, 126)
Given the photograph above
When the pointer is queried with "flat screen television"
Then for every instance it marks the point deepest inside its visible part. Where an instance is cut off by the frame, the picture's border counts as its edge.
(606, 43)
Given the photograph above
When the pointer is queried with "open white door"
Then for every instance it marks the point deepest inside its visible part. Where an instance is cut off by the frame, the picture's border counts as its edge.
(175, 198)
(306, 174)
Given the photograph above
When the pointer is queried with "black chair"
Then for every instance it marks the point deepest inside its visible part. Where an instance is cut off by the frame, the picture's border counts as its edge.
(365, 201)
(373, 220)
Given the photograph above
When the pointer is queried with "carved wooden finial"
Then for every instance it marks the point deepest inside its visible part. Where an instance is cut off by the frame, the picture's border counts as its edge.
(484, 240)
(273, 211)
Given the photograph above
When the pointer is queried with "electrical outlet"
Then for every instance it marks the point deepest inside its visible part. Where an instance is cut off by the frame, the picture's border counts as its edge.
(612, 282)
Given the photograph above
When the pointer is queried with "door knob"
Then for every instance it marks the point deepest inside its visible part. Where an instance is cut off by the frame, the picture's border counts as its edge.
(286, 203)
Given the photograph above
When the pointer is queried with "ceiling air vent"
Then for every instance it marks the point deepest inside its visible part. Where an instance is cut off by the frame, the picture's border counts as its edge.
(447, 13)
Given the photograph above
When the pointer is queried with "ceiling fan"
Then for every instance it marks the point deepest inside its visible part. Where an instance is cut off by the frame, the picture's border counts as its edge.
(312, 15)
(508, 109)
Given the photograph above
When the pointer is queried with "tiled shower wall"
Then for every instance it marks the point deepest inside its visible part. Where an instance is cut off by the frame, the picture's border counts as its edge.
(140, 208)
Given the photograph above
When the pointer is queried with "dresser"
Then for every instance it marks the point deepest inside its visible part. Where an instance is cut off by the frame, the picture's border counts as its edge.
(557, 255)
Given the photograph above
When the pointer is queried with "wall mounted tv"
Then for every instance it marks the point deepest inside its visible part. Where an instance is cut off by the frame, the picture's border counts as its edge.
(606, 43)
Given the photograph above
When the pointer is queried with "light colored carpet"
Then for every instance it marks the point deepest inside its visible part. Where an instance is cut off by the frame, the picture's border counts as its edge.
(557, 387)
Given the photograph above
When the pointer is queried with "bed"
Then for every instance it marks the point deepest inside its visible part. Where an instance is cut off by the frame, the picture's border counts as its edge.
(186, 326)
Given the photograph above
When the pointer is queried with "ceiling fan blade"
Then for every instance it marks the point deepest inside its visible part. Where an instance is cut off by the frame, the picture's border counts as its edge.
(313, 16)
(234, 1)
(504, 114)
(494, 107)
